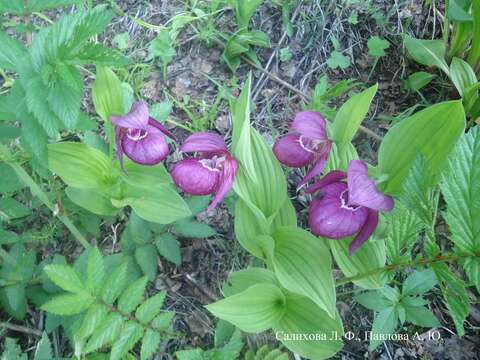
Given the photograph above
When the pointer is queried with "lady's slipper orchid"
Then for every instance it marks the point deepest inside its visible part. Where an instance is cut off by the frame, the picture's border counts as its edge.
(305, 144)
(140, 137)
(212, 172)
(345, 208)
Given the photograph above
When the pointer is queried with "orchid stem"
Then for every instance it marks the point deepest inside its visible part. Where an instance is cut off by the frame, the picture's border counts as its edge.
(407, 264)
(42, 196)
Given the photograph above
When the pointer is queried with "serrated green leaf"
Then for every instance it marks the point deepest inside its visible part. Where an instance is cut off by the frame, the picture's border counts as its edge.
(44, 349)
(132, 296)
(150, 343)
(65, 277)
(146, 257)
(150, 308)
(162, 47)
(385, 323)
(163, 321)
(194, 229)
(106, 333)
(95, 270)
(338, 60)
(233, 348)
(373, 300)
(419, 282)
(12, 209)
(169, 247)
(421, 316)
(10, 181)
(460, 187)
(14, 300)
(41, 5)
(130, 334)
(377, 46)
(11, 51)
(115, 283)
(69, 304)
(253, 310)
(403, 228)
(99, 55)
(94, 317)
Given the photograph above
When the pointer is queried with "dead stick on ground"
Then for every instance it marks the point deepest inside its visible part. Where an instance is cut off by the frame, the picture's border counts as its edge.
(205, 291)
(20, 328)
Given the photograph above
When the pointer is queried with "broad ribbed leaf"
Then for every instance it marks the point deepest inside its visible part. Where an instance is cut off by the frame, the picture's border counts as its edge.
(243, 279)
(461, 190)
(107, 94)
(115, 283)
(432, 133)
(130, 334)
(69, 304)
(65, 277)
(150, 343)
(370, 256)
(106, 333)
(160, 204)
(253, 310)
(150, 308)
(132, 296)
(462, 75)
(297, 266)
(304, 317)
(427, 52)
(91, 200)
(351, 114)
(79, 165)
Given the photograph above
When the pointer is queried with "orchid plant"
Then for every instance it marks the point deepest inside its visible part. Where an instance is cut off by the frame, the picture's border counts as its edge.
(360, 216)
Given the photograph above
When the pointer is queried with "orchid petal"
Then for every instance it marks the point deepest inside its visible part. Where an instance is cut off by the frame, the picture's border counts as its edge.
(206, 142)
(137, 118)
(331, 177)
(290, 152)
(365, 232)
(329, 219)
(230, 167)
(163, 129)
(150, 150)
(194, 178)
(319, 165)
(363, 190)
(310, 124)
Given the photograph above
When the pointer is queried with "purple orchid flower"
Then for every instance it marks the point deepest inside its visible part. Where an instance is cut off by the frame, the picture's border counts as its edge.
(347, 208)
(212, 172)
(140, 137)
(305, 144)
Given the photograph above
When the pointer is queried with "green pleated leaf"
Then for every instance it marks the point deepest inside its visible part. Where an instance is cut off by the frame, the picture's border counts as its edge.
(132, 296)
(432, 133)
(462, 75)
(107, 93)
(150, 343)
(91, 200)
(253, 310)
(243, 279)
(427, 52)
(351, 114)
(370, 256)
(297, 266)
(150, 308)
(80, 165)
(160, 204)
(304, 317)
(130, 334)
